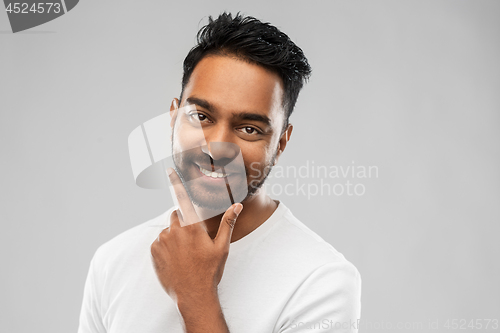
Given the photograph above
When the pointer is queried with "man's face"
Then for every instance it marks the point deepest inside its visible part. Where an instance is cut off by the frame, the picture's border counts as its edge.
(238, 107)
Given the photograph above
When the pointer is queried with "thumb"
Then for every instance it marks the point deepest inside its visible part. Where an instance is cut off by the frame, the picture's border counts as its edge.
(227, 224)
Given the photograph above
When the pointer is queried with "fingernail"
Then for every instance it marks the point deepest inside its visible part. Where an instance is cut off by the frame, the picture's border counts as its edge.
(238, 208)
(169, 171)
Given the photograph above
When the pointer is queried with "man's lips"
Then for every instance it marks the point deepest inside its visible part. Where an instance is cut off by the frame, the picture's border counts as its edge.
(212, 174)
(216, 171)
(218, 175)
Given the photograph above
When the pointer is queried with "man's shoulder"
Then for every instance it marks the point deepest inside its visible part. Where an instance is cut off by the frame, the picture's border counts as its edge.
(299, 234)
(127, 243)
(294, 243)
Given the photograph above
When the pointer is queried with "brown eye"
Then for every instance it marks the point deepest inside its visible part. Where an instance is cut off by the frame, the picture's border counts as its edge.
(197, 116)
(250, 130)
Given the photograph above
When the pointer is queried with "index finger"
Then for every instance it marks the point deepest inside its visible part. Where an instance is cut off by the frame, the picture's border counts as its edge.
(188, 212)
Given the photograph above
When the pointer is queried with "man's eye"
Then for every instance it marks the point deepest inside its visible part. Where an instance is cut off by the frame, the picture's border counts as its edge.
(250, 130)
(198, 116)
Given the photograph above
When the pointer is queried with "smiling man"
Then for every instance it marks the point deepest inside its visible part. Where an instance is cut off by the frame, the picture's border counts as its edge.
(230, 258)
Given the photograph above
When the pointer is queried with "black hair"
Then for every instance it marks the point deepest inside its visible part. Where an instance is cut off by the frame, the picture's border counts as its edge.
(256, 42)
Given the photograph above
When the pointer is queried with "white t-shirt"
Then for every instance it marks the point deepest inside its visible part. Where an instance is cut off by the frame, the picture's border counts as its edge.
(282, 277)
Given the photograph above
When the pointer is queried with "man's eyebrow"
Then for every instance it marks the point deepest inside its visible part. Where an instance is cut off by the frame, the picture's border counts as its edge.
(252, 116)
(200, 102)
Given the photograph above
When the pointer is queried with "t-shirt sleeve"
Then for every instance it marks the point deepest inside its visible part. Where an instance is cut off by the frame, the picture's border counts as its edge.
(90, 314)
(329, 300)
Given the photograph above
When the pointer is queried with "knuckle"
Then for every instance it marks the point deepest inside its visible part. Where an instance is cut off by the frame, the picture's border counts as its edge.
(231, 222)
(224, 252)
(162, 237)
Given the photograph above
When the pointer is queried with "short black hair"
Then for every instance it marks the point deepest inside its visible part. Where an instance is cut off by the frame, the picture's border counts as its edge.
(256, 42)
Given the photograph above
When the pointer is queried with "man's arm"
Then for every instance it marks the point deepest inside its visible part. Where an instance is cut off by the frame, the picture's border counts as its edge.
(203, 314)
(189, 264)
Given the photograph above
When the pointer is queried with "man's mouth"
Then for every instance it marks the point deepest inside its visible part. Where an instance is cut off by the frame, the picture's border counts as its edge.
(211, 174)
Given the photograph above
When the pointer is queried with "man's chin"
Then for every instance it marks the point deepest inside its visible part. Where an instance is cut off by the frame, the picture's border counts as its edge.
(208, 209)
(218, 201)
(211, 200)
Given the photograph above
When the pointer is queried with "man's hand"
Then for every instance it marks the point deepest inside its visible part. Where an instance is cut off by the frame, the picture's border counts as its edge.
(188, 263)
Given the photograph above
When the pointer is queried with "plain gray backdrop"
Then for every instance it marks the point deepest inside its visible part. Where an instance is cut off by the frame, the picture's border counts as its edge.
(411, 87)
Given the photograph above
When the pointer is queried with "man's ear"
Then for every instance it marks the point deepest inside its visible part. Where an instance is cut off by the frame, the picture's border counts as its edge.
(285, 137)
(173, 111)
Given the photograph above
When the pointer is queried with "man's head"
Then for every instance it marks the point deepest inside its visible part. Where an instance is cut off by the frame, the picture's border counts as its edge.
(256, 42)
(243, 78)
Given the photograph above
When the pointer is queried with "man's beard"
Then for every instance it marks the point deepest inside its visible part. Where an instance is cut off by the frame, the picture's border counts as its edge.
(212, 198)
(253, 188)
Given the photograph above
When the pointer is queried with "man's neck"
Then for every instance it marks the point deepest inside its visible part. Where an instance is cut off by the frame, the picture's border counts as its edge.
(256, 210)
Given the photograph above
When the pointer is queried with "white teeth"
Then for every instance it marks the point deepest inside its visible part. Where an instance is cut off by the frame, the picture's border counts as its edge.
(210, 173)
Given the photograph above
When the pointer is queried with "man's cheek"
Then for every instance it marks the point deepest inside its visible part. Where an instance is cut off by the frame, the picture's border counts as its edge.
(255, 172)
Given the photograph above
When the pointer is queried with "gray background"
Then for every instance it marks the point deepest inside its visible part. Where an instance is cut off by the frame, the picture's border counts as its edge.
(411, 87)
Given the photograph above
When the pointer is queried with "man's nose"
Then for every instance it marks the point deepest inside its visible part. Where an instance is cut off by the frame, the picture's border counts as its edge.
(220, 143)
(221, 150)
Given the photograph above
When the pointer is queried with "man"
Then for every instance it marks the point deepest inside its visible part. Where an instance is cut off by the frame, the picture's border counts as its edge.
(252, 266)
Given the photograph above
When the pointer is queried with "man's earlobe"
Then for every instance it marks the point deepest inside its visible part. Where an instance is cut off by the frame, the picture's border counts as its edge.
(173, 111)
(285, 137)
(289, 132)
(174, 105)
